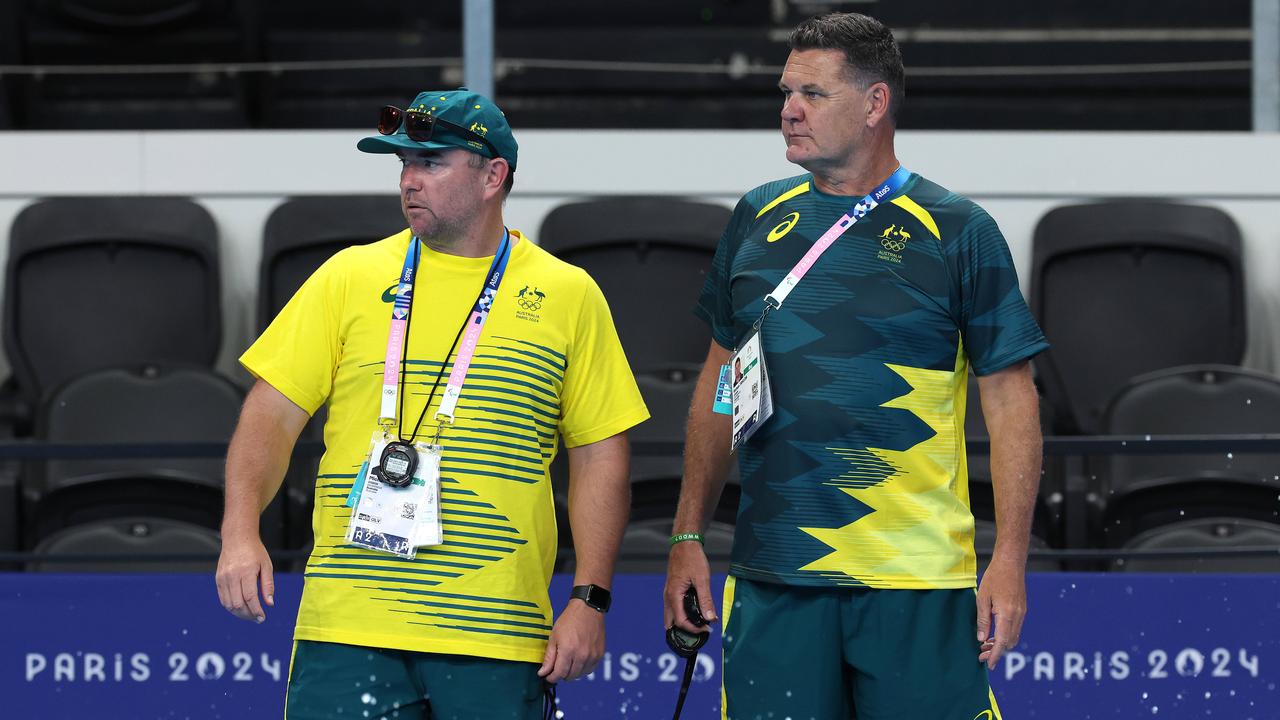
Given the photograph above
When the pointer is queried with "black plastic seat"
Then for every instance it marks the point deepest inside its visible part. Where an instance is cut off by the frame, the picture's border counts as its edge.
(131, 536)
(650, 257)
(1195, 400)
(1138, 490)
(105, 282)
(1213, 533)
(1127, 287)
(150, 405)
(300, 235)
(303, 232)
(1149, 504)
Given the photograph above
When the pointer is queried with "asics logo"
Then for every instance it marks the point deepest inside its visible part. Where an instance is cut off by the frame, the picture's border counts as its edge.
(783, 227)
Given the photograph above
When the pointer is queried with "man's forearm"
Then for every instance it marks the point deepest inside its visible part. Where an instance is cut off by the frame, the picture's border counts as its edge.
(258, 458)
(599, 503)
(706, 451)
(1013, 419)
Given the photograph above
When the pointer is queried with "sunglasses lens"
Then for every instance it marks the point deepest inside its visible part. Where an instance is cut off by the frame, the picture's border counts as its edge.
(389, 120)
(419, 126)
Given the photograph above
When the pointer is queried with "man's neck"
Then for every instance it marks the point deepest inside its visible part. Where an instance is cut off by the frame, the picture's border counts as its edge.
(482, 240)
(862, 175)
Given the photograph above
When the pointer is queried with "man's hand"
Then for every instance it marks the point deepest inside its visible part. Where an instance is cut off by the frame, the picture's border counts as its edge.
(1003, 593)
(243, 563)
(687, 567)
(576, 644)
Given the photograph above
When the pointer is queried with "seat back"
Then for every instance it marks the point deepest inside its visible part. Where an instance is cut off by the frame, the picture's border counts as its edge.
(1127, 287)
(136, 536)
(96, 283)
(304, 232)
(1143, 506)
(1195, 400)
(1213, 533)
(650, 257)
(151, 404)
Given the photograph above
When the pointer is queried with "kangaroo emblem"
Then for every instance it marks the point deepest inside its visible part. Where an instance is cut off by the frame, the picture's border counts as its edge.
(530, 298)
(888, 231)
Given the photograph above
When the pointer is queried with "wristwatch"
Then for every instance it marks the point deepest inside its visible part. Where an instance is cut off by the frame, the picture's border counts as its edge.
(594, 596)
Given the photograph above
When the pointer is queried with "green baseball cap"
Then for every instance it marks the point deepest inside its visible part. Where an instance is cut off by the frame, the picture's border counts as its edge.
(465, 117)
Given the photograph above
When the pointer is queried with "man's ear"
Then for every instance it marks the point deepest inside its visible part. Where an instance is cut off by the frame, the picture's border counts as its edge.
(496, 175)
(878, 101)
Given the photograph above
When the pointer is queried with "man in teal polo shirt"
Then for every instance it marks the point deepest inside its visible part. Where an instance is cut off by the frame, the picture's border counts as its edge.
(851, 588)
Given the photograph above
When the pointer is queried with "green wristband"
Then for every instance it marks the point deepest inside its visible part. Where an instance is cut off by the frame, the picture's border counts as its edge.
(682, 537)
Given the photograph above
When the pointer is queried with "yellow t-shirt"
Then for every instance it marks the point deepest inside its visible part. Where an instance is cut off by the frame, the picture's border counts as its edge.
(548, 363)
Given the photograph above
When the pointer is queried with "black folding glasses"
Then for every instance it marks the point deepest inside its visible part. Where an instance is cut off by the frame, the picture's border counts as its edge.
(421, 126)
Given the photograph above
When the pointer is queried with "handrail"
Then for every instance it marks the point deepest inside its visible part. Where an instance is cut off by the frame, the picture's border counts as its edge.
(1053, 445)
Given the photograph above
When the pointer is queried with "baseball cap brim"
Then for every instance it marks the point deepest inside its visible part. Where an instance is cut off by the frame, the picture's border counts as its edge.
(393, 143)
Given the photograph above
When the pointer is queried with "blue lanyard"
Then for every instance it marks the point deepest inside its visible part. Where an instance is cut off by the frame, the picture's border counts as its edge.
(403, 305)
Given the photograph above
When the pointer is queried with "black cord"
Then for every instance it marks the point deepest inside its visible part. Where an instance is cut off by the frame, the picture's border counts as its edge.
(548, 701)
(404, 350)
(689, 665)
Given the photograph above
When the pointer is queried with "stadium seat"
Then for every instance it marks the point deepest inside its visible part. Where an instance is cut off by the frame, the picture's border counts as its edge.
(300, 235)
(1127, 287)
(150, 405)
(1188, 400)
(1195, 400)
(130, 536)
(107, 282)
(650, 256)
(1214, 533)
(303, 232)
(1149, 504)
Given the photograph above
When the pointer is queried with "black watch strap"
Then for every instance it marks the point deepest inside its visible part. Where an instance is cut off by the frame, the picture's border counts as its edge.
(594, 596)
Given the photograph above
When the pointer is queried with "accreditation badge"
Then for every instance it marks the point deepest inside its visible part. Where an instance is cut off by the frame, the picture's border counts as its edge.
(752, 400)
(391, 519)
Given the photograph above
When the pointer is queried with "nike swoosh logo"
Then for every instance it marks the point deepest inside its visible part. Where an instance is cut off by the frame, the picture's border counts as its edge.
(389, 295)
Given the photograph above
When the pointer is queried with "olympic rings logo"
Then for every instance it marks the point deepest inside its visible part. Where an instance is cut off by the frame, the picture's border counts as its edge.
(893, 245)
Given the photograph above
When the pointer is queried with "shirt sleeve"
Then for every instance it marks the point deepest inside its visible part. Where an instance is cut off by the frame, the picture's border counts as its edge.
(996, 325)
(298, 352)
(599, 398)
(715, 305)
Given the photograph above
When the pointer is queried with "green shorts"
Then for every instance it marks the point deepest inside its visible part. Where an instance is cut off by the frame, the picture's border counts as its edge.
(813, 652)
(329, 680)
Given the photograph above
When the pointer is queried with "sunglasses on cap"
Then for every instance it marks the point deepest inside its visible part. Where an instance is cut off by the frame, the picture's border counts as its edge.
(421, 126)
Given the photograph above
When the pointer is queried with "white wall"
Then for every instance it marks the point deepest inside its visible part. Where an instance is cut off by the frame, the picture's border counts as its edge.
(241, 176)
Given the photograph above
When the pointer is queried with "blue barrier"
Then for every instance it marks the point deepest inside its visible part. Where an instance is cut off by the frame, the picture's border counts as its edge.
(133, 647)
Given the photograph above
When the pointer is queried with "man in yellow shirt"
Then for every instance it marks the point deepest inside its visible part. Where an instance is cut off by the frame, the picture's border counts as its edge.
(426, 592)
